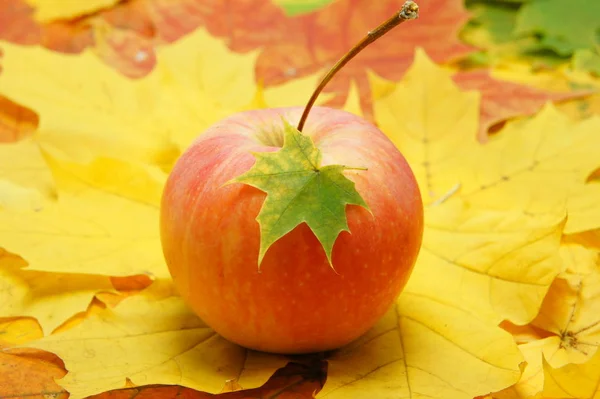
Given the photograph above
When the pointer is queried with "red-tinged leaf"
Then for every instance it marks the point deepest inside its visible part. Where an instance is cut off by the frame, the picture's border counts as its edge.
(17, 24)
(16, 121)
(502, 100)
(294, 381)
(291, 47)
(30, 373)
(299, 46)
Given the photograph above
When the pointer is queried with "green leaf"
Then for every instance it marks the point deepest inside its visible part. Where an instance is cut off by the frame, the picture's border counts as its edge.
(565, 26)
(300, 190)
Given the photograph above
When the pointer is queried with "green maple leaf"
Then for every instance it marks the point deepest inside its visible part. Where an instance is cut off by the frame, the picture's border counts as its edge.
(300, 190)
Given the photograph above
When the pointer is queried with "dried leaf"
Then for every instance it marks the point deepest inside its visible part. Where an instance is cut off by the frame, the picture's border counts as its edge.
(27, 373)
(434, 125)
(149, 338)
(413, 352)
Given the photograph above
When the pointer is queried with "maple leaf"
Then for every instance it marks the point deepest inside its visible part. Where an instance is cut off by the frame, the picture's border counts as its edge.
(531, 382)
(570, 312)
(136, 27)
(301, 380)
(88, 216)
(415, 348)
(189, 352)
(46, 10)
(300, 190)
(573, 380)
(540, 171)
(51, 299)
(562, 30)
(502, 100)
(321, 37)
(16, 121)
(30, 373)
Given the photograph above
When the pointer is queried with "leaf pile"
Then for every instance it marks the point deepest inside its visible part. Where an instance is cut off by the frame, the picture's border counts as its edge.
(507, 284)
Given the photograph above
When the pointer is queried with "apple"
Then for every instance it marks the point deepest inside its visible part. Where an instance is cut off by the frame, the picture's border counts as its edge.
(295, 302)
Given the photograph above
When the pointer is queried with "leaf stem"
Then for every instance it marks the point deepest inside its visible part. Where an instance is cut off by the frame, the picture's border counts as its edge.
(410, 10)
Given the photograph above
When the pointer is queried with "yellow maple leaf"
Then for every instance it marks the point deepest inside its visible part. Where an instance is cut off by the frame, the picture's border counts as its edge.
(498, 255)
(538, 165)
(48, 10)
(103, 222)
(413, 352)
(23, 173)
(531, 382)
(152, 338)
(496, 264)
(579, 381)
(571, 310)
(50, 298)
(87, 109)
(18, 331)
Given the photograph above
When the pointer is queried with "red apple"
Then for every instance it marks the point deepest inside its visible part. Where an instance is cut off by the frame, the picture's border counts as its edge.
(296, 302)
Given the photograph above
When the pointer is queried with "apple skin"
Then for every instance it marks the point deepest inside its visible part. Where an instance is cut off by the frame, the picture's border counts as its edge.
(296, 303)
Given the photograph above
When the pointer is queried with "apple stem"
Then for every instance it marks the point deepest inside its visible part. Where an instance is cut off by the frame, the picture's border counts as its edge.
(410, 10)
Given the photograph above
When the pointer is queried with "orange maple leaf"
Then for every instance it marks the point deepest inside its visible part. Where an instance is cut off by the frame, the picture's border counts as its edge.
(502, 100)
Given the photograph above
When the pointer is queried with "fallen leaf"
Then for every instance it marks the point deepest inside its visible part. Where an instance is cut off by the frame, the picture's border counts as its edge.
(16, 331)
(151, 119)
(580, 381)
(27, 373)
(16, 121)
(532, 379)
(284, 57)
(502, 100)
(47, 10)
(571, 309)
(24, 173)
(149, 338)
(295, 380)
(413, 352)
(104, 221)
(48, 297)
(496, 264)
(434, 125)
(17, 24)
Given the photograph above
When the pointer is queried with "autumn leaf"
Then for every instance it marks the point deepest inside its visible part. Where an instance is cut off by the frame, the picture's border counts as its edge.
(300, 190)
(284, 57)
(531, 382)
(136, 27)
(302, 381)
(84, 231)
(571, 310)
(502, 100)
(50, 299)
(540, 171)
(146, 119)
(16, 121)
(162, 341)
(30, 373)
(413, 352)
(46, 10)
(581, 381)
